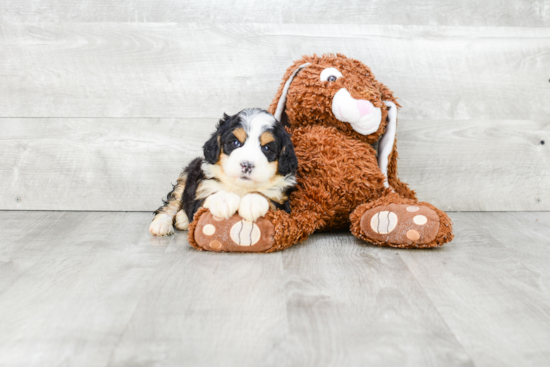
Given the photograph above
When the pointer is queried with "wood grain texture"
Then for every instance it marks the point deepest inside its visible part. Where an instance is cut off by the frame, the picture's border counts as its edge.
(495, 280)
(95, 289)
(20, 232)
(96, 164)
(529, 13)
(477, 165)
(207, 310)
(350, 304)
(129, 164)
(76, 286)
(200, 70)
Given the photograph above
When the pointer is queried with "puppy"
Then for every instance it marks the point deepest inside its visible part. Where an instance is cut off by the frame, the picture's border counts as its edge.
(249, 166)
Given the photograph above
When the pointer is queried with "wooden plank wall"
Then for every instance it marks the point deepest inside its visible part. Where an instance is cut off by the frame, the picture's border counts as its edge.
(103, 103)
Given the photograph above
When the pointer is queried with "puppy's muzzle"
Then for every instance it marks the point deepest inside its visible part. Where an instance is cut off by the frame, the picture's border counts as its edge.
(247, 167)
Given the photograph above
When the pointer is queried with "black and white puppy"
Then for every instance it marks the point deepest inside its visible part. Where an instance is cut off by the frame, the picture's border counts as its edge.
(249, 166)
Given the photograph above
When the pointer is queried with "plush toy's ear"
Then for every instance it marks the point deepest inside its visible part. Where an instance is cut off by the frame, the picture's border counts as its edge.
(387, 155)
(278, 113)
(386, 145)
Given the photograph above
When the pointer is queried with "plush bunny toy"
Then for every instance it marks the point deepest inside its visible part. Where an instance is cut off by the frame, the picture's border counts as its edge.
(335, 110)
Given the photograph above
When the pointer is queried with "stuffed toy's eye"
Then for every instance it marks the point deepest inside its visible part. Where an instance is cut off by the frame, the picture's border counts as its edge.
(265, 148)
(236, 144)
(330, 75)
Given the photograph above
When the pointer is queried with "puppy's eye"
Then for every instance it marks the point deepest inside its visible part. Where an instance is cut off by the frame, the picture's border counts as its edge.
(237, 144)
(265, 148)
(330, 75)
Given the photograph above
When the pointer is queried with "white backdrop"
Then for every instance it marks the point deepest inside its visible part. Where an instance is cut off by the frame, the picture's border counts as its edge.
(103, 104)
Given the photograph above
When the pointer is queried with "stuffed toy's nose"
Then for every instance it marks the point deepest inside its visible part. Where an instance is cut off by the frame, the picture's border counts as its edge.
(364, 107)
(361, 114)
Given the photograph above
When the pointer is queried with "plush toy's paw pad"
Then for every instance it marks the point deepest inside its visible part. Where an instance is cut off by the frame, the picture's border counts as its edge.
(234, 234)
(401, 225)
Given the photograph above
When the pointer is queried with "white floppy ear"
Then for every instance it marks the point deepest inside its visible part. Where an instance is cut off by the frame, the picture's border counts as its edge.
(282, 100)
(386, 143)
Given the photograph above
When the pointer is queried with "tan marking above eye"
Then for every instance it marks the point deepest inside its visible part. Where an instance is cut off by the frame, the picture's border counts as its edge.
(266, 138)
(240, 134)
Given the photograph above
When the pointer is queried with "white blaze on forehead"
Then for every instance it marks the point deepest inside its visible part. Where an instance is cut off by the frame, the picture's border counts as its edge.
(255, 122)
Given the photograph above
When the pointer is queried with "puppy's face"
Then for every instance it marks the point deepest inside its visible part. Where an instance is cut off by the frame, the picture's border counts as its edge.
(251, 148)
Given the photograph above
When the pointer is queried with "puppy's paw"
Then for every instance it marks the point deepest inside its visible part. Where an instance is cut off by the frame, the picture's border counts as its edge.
(182, 222)
(253, 206)
(162, 225)
(222, 204)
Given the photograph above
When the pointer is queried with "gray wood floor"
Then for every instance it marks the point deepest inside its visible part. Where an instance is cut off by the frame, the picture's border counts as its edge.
(95, 289)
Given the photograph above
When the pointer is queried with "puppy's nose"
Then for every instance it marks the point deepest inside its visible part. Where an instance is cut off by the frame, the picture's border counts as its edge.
(246, 167)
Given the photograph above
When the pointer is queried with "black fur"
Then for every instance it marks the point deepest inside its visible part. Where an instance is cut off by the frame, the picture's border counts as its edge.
(280, 149)
(224, 141)
(212, 148)
(284, 119)
(288, 163)
(286, 204)
(194, 177)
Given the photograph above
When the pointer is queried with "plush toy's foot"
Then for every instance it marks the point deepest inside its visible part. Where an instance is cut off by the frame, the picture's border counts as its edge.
(401, 224)
(407, 224)
(230, 235)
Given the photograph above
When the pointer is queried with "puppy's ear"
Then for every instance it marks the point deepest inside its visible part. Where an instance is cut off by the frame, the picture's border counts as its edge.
(288, 163)
(223, 120)
(212, 148)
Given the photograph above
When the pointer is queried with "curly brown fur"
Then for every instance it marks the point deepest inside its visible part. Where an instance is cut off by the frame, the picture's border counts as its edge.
(192, 225)
(338, 171)
(309, 101)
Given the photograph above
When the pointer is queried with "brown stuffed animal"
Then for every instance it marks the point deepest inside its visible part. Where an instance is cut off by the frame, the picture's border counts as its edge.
(335, 110)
